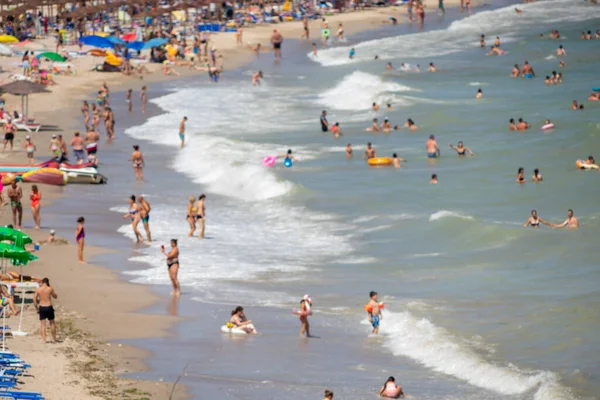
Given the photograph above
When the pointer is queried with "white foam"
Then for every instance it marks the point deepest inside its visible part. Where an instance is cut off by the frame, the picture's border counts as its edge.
(359, 90)
(448, 214)
(462, 34)
(437, 349)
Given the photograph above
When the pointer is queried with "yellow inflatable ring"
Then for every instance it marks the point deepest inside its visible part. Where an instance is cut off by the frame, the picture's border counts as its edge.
(380, 161)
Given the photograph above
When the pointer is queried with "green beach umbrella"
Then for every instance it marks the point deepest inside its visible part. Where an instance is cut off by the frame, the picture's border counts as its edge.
(16, 255)
(17, 237)
(51, 56)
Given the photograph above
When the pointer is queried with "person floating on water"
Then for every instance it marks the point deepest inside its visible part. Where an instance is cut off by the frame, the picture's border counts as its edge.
(460, 149)
(396, 160)
(390, 390)
(374, 312)
(238, 318)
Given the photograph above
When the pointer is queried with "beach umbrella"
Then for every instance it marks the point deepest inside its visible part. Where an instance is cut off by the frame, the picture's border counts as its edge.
(19, 238)
(115, 40)
(23, 89)
(97, 41)
(50, 55)
(5, 50)
(18, 256)
(137, 46)
(29, 45)
(8, 39)
(129, 37)
(154, 43)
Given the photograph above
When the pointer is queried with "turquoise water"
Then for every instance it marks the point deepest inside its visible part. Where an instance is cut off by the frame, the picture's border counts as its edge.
(476, 305)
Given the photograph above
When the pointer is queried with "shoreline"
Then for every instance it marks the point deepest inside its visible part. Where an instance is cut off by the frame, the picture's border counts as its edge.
(76, 285)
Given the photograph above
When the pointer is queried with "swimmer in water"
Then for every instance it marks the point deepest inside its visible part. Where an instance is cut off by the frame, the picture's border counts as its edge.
(375, 107)
(547, 122)
(548, 80)
(335, 129)
(410, 124)
(479, 94)
(349, 151)
(558, 78)
(386, 126)
(512, 126)
(561, 51)
(523, 125)
(396, 160)
(434, 180)
(594, 96)
(431, 68)
(515, 71)
(374, 127)
(537, 177)
(389, 66)
(575, 106)
(482, 41)
(581, 107)
(389, 106)
(369, 151)
(460, 149)
(527, 70)
(571, 222)
(288, 156)
(352, 53)
(562, 64)
(497, 41)
(520, 178)
(256, 78)
(518, 11)
(433, 150)
(534, 221)
(495, 51)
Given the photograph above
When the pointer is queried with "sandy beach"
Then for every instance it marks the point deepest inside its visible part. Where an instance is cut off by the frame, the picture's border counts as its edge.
(95, 307)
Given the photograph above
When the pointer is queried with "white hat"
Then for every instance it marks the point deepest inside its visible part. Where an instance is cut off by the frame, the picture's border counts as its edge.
(27, 137)
(52, 232)
(53, 136)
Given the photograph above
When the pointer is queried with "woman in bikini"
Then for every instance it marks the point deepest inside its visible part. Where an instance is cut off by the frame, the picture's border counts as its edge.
(461, 150)
(137, 158)
(173, 266)
(520, 177)
(80, 238)
(95, 118)
(191, 215)
(534, 221)
(238, 318)
(36, 197)
(134, 215)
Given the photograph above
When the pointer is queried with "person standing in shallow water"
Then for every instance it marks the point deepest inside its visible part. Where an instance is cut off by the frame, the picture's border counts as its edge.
(145, 215)
(200, 215)
(173, 266)
(137, 158)
(80, 239)
(182, 131)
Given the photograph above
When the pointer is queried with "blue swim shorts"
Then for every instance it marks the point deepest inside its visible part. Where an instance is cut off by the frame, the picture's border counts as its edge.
(432, 155)
(375, 321)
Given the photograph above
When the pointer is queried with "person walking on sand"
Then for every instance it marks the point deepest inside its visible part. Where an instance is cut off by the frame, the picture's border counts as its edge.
(145, 215)
(200, 215)
(15, 194)
(182, 131)
(373, 309)
(144, 98)
(134, 215)
(35, 197)
(276, 41)
(137, 158)
(305, 311)
(42, 300)
(80, 239)
(173, 266)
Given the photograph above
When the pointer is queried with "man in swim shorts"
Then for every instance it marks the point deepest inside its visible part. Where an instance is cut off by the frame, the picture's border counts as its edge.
(145, 215)
(15, 194)
(375, 316)
(433, 150)
(91, 140)
(324, 123)
(182, 131)
(276, 40)
(369, 151)
(78, 144)
(42, 300)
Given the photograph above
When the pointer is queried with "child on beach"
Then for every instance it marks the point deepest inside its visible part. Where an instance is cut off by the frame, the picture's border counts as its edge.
(80, 239)
(373, 309)
(390, 390)
(305, 311)
(30, 149)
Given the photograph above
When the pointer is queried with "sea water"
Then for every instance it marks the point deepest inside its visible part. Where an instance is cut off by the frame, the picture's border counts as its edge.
(476, 305)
